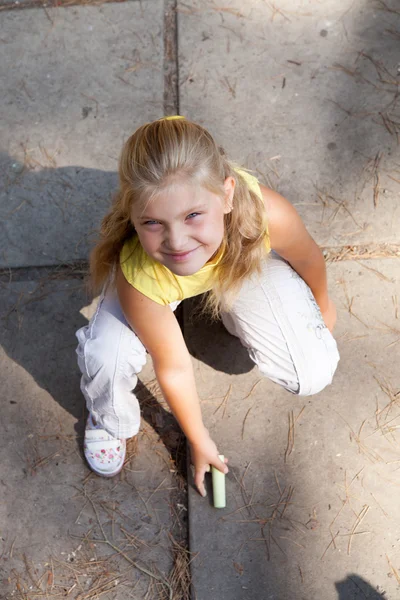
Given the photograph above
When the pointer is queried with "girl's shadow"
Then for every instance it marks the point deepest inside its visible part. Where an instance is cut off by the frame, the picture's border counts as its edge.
(40, 310)
(211, 343)
(356, 588)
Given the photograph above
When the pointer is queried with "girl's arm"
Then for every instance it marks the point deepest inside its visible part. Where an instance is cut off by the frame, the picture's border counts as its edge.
(291, 240)
(159, 331)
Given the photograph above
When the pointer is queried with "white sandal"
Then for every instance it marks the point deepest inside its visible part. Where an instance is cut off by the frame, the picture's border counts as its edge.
(104, 453)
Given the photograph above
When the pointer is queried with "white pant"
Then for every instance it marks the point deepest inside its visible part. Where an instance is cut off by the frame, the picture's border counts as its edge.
(275, 316)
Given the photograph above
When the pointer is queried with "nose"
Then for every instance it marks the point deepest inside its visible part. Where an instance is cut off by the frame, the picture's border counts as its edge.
(176, 239)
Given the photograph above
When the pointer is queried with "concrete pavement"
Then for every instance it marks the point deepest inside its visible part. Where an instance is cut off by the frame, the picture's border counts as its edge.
(76, 82)
(79, 80)
(305, 94)
(305, 471)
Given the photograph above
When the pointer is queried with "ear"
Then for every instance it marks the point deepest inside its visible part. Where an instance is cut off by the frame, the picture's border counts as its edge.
(229, 185)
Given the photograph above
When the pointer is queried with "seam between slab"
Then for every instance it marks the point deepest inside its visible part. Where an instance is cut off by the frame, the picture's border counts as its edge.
(74, 270)
(21, 5)
(80, 268)
(171, 66)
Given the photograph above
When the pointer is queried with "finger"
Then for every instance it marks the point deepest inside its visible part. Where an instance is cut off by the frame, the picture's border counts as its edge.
(208, 468)
(199, 483)
(218, 464)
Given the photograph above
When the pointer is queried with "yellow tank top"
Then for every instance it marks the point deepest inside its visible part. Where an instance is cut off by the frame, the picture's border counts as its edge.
(156, 281)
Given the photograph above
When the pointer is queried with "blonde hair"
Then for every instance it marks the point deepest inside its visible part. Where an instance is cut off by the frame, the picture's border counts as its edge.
(173, 148)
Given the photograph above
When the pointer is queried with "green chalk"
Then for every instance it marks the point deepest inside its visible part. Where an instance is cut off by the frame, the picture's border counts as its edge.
(218, 483)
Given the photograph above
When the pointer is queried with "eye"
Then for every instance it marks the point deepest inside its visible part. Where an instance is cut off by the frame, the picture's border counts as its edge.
(192, 215)
(150, 223)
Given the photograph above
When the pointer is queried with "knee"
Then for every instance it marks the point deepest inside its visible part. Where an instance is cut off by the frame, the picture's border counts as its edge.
(304, 377)
(313, 383)
(316, 377)
(109, 355)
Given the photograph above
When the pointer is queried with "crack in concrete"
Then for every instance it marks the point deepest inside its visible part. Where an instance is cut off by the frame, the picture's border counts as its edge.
(74, 270)
(80, 269)
(27, 4)
(171, 66)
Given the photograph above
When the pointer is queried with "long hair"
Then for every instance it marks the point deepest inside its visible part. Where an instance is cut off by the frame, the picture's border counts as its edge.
(165, 150)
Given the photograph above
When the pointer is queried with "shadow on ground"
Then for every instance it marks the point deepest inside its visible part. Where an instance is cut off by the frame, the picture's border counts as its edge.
(41, 308)
(45, 479)
(225, 353)
(40, 315)
(50, 215)
(356, 588)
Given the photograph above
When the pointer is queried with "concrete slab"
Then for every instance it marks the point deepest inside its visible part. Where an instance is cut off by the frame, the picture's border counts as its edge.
(76, 82)
(319, 517)
(54, 512)
(305, 94)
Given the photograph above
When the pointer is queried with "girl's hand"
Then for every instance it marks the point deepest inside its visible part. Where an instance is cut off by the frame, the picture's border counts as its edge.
(204, 453)
(329, 315)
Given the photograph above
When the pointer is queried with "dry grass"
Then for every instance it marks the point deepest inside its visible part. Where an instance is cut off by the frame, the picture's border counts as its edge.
(95, 569)
(118, 550)
(396, 306)
(132, 449)
(277, 11)
(328, 201)
(392, 126)
(380, 275)
(175, 586)
(374, 168)
(368, 452)
(385, 422)
(291, 432)
(83, 576)
(230, 86)
(394, 33)
(232, 11)
(224, 402)
(360, 252)
(356, 73)
(251, 407)
(275, 519)
(61, 272)
(359, 517)
(179, 578)
(383, 74)
(393, 569)
(349, 303)
(383, 6)
(43, 285)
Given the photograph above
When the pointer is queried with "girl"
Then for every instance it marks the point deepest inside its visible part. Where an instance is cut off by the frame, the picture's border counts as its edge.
(185, 221)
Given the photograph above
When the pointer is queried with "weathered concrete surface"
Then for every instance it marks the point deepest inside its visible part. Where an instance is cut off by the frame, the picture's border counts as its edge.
(49, 496)
(76, 82)
(304, 93)
(340, 477)
(61, 136)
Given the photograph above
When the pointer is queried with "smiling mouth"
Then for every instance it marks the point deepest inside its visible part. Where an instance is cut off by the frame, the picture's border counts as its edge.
(180, 255)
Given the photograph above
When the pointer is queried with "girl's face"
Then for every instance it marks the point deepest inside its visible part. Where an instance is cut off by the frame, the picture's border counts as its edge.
(183, 227)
